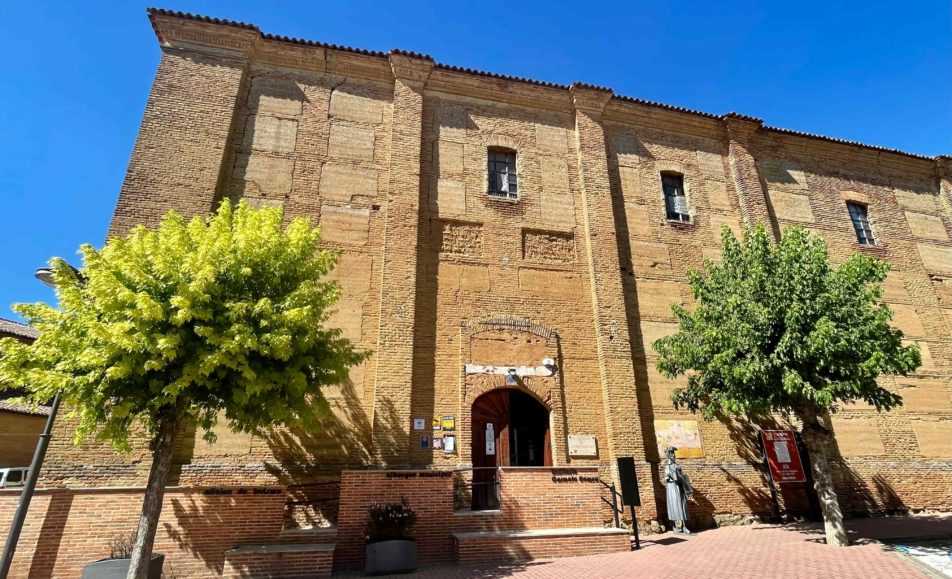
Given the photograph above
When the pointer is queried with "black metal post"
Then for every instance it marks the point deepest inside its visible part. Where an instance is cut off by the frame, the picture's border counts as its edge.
(27, 494)
(770, 479)
(615, 506)
(634, 527)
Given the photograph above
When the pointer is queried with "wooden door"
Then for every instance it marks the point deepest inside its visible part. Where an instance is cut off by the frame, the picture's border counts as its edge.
(491, 408)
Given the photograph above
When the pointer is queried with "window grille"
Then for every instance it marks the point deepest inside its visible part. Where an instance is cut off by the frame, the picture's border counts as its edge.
(502, 174)
(675, 201)
(860, 217)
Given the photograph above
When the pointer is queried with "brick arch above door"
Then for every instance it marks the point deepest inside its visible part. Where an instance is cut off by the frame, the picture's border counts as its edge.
(535, 341)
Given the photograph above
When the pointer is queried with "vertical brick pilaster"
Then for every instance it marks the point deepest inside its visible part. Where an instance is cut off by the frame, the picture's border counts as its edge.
(393, 382)
(750, 191)
(943, 164)
(178, 158)
(615, 365)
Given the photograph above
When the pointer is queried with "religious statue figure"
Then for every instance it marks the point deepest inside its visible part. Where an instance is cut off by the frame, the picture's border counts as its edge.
(678, 489)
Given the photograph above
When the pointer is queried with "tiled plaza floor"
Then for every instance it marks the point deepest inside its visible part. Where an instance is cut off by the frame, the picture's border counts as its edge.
(763, 551)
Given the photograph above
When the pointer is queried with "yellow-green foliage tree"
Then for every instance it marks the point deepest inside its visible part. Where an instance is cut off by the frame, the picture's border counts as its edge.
(777, 329)
(187, 322)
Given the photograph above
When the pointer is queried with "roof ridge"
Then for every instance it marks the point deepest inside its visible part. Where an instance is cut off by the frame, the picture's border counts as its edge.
(465, 70)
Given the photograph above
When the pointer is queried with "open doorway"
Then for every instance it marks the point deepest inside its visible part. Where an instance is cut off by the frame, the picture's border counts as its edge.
(510, 428)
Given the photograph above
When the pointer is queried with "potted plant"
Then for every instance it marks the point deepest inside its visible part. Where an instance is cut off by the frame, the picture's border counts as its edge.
(120, 555)
(390, 546)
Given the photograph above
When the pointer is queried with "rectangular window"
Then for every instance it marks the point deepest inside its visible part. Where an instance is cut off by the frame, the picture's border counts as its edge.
(675, 201)
(502, 174)
(860, 217)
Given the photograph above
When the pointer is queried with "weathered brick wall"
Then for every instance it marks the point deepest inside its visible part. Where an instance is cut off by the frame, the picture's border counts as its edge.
(67, 529)
(19, 434)
(388, 154)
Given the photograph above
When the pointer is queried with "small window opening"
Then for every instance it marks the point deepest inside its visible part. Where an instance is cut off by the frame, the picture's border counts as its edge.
(859, 214)
(675, 201)
(502, 174)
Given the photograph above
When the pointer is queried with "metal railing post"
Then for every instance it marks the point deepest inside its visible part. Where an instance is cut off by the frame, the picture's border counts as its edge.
(615, 506)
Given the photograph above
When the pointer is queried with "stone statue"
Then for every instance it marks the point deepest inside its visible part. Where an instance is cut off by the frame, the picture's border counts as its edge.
(678, 489)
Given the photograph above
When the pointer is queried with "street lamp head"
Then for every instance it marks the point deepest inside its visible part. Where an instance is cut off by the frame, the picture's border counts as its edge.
(45, 275)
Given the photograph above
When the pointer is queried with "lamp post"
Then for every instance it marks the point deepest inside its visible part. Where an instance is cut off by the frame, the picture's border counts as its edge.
(45, 275)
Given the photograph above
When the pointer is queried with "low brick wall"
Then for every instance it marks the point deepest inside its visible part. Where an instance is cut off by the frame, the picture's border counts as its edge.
(67, 528)
(532, 498)
(286, 564)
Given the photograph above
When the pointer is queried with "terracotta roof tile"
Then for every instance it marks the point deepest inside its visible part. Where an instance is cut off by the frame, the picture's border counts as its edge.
(224, 22)
(11, 328)
(24, 408)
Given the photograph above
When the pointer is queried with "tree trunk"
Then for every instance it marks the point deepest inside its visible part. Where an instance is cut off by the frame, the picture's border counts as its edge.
(162, 446)
(816, 437)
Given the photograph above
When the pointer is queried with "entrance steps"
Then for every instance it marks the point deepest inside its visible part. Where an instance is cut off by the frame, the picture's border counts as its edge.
(526, 545)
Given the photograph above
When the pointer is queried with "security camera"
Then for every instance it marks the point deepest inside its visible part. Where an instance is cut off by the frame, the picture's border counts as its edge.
(512, 372)
(548, 362)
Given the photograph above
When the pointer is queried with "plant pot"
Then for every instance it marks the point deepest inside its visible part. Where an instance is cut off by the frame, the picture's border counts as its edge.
(119, 568)
(395, 556)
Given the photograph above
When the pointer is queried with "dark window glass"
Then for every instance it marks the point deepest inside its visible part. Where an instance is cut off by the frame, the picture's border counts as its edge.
(675, 202)
(502, 174)
(860, 218)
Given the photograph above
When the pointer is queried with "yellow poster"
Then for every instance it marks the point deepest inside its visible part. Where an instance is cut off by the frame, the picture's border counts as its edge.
(681, 434)
(448, 423)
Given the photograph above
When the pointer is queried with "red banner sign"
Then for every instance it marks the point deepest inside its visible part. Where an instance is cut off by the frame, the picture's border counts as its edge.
(783, 456)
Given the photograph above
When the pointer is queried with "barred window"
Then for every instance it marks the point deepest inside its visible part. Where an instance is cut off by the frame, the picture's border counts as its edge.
(502, 174)
(675, 201)
(860, 217)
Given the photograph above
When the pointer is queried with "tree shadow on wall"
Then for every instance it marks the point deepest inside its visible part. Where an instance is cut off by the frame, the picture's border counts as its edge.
(50, 537)
(200, 527)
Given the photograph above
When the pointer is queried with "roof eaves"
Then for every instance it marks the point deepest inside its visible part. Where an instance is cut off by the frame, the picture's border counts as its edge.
(244, 25)
(465, 70)
(658, 105)
(18, 329)
(846, 142)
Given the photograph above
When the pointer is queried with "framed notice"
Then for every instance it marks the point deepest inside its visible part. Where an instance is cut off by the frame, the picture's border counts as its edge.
(783, 456)
(424, 441)
(681, 434)
(437, 444)
(419, 424)
(436, 424)
(449, 444)
(448, 423)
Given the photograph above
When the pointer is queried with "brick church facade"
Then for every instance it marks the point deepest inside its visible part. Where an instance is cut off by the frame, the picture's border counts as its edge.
(509, 250)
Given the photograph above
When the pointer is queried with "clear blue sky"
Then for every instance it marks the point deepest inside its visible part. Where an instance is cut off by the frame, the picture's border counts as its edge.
(75, 76)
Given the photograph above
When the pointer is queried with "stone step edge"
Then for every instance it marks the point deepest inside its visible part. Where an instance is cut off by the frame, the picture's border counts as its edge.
(279, 548)
(538, 533)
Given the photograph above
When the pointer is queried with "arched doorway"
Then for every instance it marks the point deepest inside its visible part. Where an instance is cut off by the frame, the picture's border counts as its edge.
(510, 428)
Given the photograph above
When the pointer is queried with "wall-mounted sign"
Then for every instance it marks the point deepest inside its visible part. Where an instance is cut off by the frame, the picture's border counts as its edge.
(437, 443)
(424, 441)
(449, 444)
(582, 445)
(490, 440)
(448, 423)
(513, 370)
(419, 423)
(436, 424)
(681, 434)
(783, 456)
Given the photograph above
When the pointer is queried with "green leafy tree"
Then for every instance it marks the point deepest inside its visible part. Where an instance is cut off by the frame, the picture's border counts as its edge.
(187, 322)
(776, 329)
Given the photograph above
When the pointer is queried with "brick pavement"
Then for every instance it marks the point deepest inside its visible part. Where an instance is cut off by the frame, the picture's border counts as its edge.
(792, 551)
